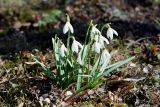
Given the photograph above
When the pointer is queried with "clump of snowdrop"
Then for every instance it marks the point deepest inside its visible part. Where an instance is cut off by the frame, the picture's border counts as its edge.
(88, 65)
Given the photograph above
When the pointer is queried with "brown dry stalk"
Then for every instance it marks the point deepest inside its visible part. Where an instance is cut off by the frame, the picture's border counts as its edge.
(75, 96)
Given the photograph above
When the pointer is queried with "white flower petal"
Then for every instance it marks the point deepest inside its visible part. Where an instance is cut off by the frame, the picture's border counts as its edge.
(75, 46)
(96, 47)
(104, 39)
(110, 33)
(79, 44)
(53, 42)
(101, 42)
(115, 32)
(68, 27)
(95, 30)
(65, 28)
(62, 53)
(105, 57)
(63, 49)
(95, 33)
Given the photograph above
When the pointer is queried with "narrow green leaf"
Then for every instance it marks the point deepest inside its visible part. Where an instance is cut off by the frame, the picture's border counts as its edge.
(79, 59)
(79, 79)
(106, 72)
(86, 76)
(47, 72)
(71, 65)
(94, 67)
(85, 51)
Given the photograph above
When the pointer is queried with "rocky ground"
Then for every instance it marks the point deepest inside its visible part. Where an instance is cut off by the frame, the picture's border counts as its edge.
(134, 84)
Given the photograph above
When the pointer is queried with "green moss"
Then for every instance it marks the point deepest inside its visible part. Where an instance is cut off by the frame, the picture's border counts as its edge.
(9, 64)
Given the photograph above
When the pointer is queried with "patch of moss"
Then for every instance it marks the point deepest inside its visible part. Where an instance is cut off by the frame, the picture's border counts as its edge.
(9, 64)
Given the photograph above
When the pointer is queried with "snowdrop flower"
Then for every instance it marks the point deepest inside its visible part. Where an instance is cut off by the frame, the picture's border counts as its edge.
(96, 47)
(105, 57)
(94, 30)
(68, 27)
(103, 40)
(75, 46)
(63, 49)
(95, 33)
(111, 32)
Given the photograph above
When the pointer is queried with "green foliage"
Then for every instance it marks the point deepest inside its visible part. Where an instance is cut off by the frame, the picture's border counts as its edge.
(156, 2)
(49, 17)
(85, 67)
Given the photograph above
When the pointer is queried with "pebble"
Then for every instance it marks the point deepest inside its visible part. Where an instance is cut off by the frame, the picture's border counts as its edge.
(68, 93)
(90, 92)
(47, 100)
(145, 70)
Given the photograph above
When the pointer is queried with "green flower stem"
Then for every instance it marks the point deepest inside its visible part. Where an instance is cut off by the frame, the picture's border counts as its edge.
(68, 40)
(68, 18)
(89, 50)
(107, 25)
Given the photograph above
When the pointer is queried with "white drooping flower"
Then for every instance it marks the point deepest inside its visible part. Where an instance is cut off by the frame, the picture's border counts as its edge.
(95, 33)
(63, 49)
(95, 30)
(103, 40)
(105, 57)
(96, 47)
(111, 32)
(68, 27)
(75, 46)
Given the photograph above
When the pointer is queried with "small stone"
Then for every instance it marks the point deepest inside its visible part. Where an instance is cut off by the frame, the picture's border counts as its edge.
(145, 70)
(68, 93)
(101, 90)
(21, 104)
(41, 103)
(132, 64)
(119, 99)
(47, 100)
(63, 104)
(137, 102)
(90, 92)
(41, 98)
